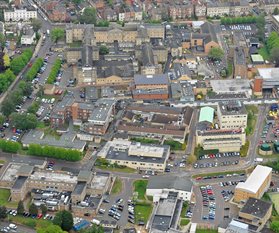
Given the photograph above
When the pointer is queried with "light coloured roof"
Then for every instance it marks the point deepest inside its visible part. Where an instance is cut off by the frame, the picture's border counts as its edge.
(269, 73)
(206, 114)
(257, 58)
(255, 180)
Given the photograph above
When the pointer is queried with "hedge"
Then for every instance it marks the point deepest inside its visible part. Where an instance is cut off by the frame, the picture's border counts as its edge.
(32, 72)
(54, 71)
(54, 152)
(8, 146)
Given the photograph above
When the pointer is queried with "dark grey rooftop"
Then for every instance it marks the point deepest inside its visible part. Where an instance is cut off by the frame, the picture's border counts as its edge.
(80, 186)
(84, 175)
(147, 55)
(256, 207)
(232, 107)
(25, 170)
(151, 79)
(19, 182)
(170, 182)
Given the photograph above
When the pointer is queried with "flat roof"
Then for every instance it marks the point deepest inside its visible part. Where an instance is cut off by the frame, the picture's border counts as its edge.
(19, 182)
(151, 79)
(206, 114)
(80, 186)
(269, 73)
(53, 177)
(99, 181)
(255, 180)
(11, 171)
(256, 207)
(257, 58)
(25, 169)
(232, 107)
(230, 85)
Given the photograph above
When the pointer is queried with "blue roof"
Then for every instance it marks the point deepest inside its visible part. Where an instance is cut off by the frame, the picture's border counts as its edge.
(206, 114)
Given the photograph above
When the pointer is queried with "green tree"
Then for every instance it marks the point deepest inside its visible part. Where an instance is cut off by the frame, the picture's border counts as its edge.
(2, 40)
(103, 50)
(191, 159)
(274, 55)
(276, 11)
(216, 54)
(33, 108)
(25, 87)
(20, 208)
(36, 24)
(3, 212)
(33, 209)
(17, 65)
(8, 106)
(2, 119)
(51, 229)
(64, 219)
(43, 209)
(6, 60)
(88, 16)
(57, 34)
(24, 121)
(275, 226)
(77, 2)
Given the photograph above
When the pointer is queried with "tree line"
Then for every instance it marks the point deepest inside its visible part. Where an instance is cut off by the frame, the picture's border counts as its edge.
(33, 71)
(18, 63)
(54, 152)
(6, 79)
(9, 146)
(238, 20)
(54, 71)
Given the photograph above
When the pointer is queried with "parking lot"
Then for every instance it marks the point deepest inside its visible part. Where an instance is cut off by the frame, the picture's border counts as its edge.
(217, 159)
(246, 29)
(212, 198)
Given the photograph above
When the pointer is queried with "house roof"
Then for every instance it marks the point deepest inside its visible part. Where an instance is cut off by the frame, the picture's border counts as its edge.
(151, 79)
(256, 207)
(170, 182)
(208, 28)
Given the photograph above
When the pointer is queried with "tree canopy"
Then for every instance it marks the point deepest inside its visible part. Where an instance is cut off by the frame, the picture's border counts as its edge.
(275, 226)
(57, 34)
(64, 219)
(33, 209)
(216, 54)
(274, 55)
(24, 121)
(36, 24)
(18, 63)
(3, 212)
(20, 207)
(88, 16)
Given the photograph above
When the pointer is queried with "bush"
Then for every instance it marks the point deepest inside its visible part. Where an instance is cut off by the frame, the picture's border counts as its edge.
(54, 152)
(174, 145)
(8, 146)
(54, 71)
(32, 72)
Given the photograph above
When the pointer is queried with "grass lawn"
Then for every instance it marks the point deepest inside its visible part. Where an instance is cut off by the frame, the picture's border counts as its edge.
(275, 200)
(146, 140)
(174, 145)
(184, 209)
(263, 51)
(184, 221)
(4, 196)
(117, 186)
(140, 188)
(244, 149)
(230, 68)
(2, 161)
(33, 223)
(218, 173)
(252, 119)
(206, 231)
(143, 211)
(117, 169)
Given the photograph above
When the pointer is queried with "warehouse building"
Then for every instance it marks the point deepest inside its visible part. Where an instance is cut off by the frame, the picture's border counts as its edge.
(255, 186)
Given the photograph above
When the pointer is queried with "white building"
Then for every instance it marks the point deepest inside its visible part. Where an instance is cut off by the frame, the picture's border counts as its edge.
(28, 37)
(19, 15)
(159, 186)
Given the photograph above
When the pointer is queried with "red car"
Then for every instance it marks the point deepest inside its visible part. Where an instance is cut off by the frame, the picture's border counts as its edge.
(39, 216)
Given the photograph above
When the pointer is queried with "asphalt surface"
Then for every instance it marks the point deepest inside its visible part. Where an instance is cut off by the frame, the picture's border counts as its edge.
(20, 229)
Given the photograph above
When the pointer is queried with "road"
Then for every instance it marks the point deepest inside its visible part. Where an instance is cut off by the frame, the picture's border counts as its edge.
(20, 229)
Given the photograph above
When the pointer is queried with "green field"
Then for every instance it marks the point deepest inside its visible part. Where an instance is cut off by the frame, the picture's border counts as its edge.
(143, 211)
(206, 231)
(4, 196)
(30, 222)
(117, 186)
(275, 200)
(140, 188)
(184, 221)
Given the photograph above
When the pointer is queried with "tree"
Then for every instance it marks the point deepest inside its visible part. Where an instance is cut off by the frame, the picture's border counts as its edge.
(36, 24)
(216, 54)
(275, 226)
(103, 50)
(8, 107)
(77, 1)
(51, 229)
(2, 40)
(275, 56)
(25, 87)
(24, 121)
(33, 108)
(20, 207)
(191, 159)
(64, 219)
(88, 16)
(57, 34)
(2, 119)
(3, 212)
(6, 60)
(43, 209)
(33, 209)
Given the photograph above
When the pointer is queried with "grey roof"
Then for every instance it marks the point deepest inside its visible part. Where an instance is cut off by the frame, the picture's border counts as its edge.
(151, 79)
(147, 55)
(208, 28)
(232, 107)
(84, 175)
(170, 182)
(19, 182)
(67, 101)
(25, 170)
(80, 186)
(87, 59)
(91, 93)
(256, 207)
(101, 110)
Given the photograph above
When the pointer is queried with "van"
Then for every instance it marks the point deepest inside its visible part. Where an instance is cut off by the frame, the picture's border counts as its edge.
(13, 226)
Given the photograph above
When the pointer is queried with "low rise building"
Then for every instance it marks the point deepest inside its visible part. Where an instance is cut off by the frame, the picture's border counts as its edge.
(255, 213)
(136, 155)
(28, 36)
(255, 186)
(158, 186)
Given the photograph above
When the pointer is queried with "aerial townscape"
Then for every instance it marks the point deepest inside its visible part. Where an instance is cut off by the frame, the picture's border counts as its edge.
(139, 116)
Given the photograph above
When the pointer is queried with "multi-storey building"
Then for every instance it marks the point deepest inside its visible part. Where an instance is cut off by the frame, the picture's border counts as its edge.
(232, 115)
(17, 15)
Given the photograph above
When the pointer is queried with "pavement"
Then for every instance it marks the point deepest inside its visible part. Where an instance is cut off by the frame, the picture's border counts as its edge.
(20, 228)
